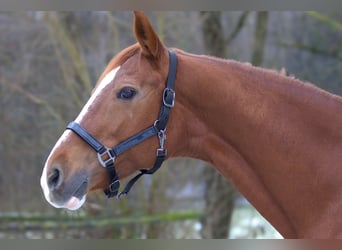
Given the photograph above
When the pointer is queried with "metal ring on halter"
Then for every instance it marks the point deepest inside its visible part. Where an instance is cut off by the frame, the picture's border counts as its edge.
(155, 123)
(108, 155)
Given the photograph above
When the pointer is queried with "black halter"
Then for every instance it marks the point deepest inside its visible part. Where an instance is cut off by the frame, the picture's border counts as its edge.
(106, 156)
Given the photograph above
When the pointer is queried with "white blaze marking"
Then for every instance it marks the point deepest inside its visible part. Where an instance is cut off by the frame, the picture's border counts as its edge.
(104, 82)
(73, 204)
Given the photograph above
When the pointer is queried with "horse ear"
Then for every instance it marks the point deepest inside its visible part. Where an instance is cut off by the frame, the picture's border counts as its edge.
(146, 36)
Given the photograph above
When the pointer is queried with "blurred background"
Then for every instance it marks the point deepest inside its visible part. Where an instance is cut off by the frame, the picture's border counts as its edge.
(50, 61)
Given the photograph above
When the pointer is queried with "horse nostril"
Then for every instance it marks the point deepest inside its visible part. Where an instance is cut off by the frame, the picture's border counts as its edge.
(54, 179)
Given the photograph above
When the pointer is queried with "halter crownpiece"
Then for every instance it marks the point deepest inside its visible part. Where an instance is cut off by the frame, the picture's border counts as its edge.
(106, 156)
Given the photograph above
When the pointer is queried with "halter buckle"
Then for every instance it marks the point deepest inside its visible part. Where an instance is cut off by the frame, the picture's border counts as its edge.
(161, 152)
(114, 187)
(170, 103)
(105, 157)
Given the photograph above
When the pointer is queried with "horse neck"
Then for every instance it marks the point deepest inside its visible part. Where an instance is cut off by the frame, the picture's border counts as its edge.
(272, 136)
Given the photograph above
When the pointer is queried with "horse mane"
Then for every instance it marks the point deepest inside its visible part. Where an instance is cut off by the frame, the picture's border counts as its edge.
(274, 79)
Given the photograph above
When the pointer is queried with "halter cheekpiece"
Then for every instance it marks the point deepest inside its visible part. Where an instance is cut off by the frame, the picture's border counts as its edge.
(106, 156)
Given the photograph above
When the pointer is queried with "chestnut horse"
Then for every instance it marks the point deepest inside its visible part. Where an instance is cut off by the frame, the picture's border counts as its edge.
(277, 139)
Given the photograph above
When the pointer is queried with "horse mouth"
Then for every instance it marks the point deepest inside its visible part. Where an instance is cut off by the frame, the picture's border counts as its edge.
(78, 197)
(74, 203)
(81, 190)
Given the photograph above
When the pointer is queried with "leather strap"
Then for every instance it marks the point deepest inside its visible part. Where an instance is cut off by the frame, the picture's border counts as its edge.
(86, 136)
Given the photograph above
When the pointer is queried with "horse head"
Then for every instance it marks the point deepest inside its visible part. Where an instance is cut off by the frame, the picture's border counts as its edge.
(125, 100)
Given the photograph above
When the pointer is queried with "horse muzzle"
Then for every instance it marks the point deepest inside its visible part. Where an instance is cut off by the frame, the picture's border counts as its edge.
(63, 192)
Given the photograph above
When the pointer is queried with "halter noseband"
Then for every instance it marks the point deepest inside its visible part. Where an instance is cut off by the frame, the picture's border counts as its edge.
(106, 156)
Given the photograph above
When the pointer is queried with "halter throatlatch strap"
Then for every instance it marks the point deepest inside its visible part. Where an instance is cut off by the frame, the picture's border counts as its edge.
(107, 156)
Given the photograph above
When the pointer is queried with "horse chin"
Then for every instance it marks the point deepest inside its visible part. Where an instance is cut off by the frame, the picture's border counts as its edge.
(73, 203)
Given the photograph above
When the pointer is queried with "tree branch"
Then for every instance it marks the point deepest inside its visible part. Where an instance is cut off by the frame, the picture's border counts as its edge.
(314, 50)
(325, 19)
(33, 98)
(238, 27)
(60, 36)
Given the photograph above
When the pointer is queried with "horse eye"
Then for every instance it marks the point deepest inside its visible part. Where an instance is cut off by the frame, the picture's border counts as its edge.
(126, 93)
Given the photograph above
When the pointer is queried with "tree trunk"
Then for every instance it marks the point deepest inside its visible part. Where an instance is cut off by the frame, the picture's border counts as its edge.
(259, 38)
(219, 193)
